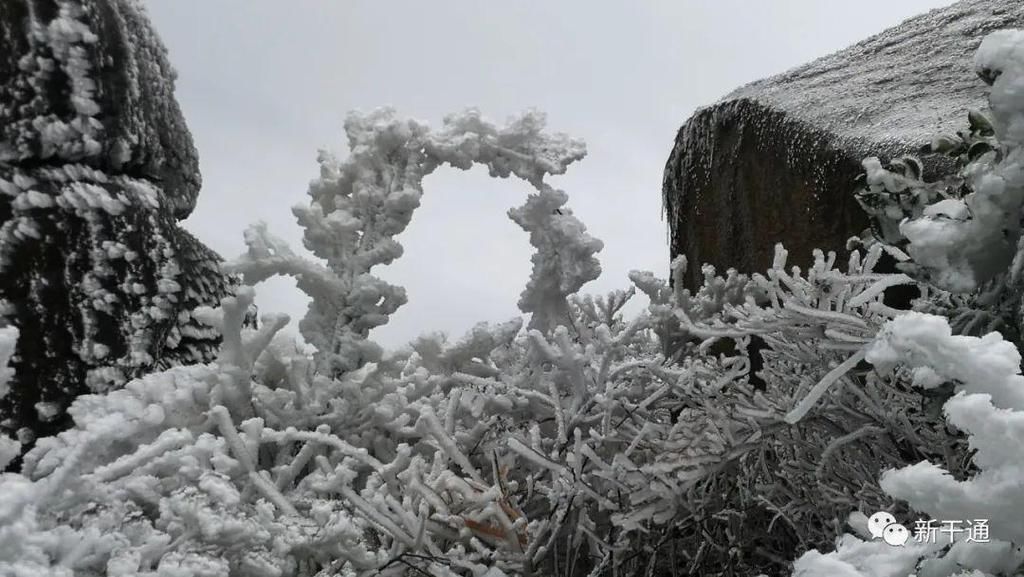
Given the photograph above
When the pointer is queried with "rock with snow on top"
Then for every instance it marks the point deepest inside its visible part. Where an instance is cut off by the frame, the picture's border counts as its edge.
(96, 168)
(777, 160)
(88, 81)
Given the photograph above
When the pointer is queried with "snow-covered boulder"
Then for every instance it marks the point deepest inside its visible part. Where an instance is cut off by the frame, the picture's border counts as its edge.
(777, 160)
(88, 81)
(96, 168)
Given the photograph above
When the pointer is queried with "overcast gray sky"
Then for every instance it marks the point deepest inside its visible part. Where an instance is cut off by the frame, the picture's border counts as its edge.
(265, 83)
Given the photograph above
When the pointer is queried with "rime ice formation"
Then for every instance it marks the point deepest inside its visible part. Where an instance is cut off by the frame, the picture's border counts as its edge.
(740, 166)
(361, 203)
(96, 167)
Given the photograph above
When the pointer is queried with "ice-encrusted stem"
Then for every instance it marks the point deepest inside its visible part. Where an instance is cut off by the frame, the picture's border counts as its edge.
(822, 387)
(227, 429)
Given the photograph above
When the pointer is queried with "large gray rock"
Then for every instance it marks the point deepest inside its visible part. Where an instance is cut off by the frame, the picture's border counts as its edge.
(776, 160)
(96, 168)
(89, 82)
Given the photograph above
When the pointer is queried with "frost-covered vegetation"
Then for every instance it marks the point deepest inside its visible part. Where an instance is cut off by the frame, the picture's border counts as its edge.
(584, 443)
(96, 168)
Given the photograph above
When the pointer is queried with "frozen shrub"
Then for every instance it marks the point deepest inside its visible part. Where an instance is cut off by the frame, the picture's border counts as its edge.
(584, 443)
(968, 242)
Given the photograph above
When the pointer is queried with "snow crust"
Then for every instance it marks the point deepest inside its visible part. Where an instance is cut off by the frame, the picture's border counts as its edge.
(906, 84)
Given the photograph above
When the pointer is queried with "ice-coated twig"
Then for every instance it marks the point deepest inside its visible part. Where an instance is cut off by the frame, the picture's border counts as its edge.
(447, 444)
(238, 449)
(838, 442)
(169, 440)
(375, 515)
(822, 387)
(301, 459)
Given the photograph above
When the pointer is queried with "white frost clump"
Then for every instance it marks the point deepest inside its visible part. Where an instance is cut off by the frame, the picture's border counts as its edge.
(83, 197)
(32, 199)
(988, 364)
(1000, 61)
(47, 411)
(564, 261)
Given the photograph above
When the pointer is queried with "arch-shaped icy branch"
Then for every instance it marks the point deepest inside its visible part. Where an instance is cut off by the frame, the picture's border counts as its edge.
(359, 204)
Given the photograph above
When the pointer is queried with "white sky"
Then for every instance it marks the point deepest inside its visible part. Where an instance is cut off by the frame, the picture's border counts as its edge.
(264, 84)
